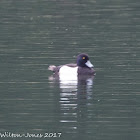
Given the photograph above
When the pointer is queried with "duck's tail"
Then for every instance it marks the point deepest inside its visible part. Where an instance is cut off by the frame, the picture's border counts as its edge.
(52, 67)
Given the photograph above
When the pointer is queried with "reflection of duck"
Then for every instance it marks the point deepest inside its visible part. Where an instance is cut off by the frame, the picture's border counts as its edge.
(75, 104)
(75, 101)
(83, 67)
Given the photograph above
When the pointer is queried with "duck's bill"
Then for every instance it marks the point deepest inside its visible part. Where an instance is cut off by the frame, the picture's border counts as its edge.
(88, 63)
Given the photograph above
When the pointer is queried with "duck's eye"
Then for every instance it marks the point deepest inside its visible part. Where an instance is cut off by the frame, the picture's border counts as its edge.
(84, 58)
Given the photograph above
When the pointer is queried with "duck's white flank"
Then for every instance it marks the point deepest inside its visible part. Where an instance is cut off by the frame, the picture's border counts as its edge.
(68, 73)
(68, 70)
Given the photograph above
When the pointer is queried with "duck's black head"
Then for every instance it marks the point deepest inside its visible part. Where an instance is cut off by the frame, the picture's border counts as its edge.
(83, 61)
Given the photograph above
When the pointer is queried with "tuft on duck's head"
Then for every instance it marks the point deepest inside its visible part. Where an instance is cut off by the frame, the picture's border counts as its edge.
(83, 61)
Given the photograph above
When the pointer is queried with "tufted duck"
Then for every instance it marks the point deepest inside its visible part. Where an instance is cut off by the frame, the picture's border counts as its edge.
(83, 67)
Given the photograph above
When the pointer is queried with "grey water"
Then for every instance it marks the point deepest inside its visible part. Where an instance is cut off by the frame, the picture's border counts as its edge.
(35, 34)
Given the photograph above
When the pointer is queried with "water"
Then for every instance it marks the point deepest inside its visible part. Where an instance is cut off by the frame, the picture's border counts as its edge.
(35, 34)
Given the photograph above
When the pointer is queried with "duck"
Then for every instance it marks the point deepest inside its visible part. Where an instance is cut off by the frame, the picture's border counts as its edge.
(82, 67)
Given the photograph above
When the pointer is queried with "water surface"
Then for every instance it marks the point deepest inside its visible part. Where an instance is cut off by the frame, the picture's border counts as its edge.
(35, 34)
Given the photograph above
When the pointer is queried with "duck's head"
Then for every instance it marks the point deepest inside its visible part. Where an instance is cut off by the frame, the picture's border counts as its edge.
(83, 61)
